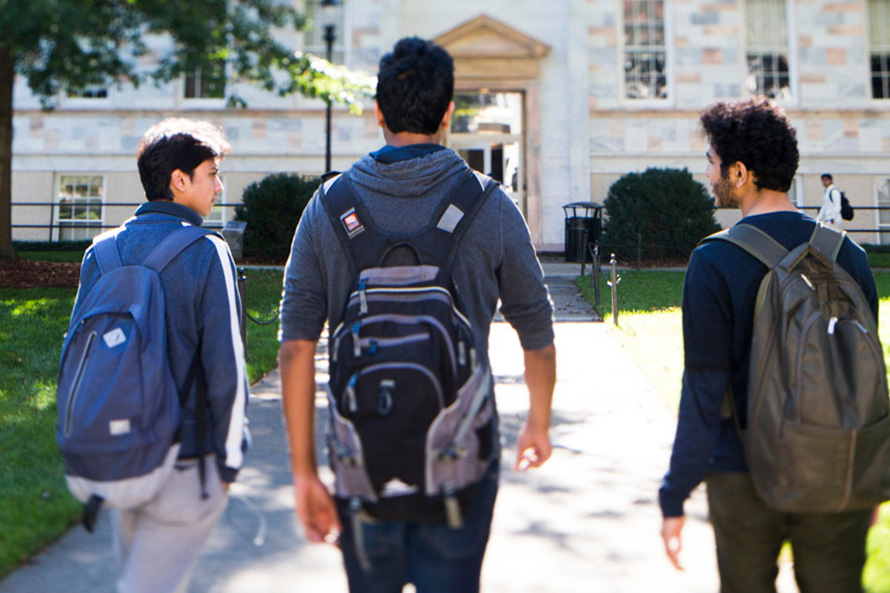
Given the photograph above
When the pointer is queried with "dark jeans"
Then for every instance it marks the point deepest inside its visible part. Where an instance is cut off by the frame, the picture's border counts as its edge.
(435, 558)
(829, 548)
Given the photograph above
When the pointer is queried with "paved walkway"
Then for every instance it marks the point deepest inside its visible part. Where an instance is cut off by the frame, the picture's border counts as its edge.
(586, 521)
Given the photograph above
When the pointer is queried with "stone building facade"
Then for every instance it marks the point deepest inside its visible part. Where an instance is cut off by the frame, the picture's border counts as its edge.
(556, 98)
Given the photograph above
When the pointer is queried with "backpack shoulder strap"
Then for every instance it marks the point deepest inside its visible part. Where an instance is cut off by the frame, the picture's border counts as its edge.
(172, 245)
(364, 242)
(461, 210)
(756, 242)
(351, 222)
(107, 255)
(827, 241)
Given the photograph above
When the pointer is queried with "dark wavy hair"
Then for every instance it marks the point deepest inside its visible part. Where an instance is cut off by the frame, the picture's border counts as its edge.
(172, 144)
(415, 85)
(757, 133)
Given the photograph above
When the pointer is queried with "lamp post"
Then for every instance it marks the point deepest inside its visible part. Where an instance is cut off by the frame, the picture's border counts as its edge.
(328, 17)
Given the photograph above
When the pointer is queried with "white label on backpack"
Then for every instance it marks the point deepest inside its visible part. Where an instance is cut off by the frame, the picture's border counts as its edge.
(396, 487)
(114, 338)
(119, 427)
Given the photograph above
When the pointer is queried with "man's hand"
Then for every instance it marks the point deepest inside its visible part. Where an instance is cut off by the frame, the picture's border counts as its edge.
(533, 447)
(316, 510)
(671, 530)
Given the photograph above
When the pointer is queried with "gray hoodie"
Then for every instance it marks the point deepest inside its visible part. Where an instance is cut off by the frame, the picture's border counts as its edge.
(495, 259)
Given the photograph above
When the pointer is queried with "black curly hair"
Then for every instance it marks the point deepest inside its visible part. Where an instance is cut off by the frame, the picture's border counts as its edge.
(757, 133)
(415, 86)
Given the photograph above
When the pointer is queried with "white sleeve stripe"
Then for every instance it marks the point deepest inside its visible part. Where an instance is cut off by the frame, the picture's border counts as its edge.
(235, 435)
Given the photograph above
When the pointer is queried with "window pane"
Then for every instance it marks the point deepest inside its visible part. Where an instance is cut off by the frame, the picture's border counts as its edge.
(879, 38)
(487, 112)
(206, 83)
(645, 54)
(767, 49)
(80, 206)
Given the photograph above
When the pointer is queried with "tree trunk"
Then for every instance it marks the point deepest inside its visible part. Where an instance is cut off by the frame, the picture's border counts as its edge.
(7, 75)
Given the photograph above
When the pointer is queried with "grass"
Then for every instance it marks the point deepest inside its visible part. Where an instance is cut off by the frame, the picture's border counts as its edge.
(650, 329)
(55, 256)
(35, 507)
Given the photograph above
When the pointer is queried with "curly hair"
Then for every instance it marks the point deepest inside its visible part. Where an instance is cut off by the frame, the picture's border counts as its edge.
(415, 86)
(757, 133)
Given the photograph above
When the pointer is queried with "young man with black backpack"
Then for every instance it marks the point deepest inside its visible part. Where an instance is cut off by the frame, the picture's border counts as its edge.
(784, 405)
(161, 516)
(406, 256)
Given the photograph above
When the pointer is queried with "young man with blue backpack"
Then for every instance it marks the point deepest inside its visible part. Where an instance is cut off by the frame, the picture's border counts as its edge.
(784, 411)
(153, 385)
(405, 256)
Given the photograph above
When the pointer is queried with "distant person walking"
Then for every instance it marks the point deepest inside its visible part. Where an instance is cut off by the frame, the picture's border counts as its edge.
(830, 212)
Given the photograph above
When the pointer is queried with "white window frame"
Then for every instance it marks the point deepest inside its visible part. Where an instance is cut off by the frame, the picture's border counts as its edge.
(789, 49)
(647, 103)
(882, 190)
(880, 46)
(90, 227)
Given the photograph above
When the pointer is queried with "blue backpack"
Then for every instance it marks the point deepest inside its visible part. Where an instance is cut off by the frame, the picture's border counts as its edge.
(118, 404)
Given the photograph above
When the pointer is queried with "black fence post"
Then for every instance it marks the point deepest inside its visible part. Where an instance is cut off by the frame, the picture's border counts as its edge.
(242, 292)
(595, 275)
(614, 285)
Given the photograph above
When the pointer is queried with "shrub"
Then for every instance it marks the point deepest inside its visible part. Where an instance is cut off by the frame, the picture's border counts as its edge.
(667, 207)
(272, 208)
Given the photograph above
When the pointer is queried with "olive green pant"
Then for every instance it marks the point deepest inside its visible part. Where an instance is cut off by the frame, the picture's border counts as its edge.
(828, 548)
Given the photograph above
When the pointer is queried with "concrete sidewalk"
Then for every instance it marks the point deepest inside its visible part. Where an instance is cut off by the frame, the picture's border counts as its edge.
(586, 521)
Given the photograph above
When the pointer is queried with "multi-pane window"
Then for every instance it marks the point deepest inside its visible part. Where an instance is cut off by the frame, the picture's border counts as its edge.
(89, 92)
(645, 55)
(80, 206)
(767, 48)
(207, 82)
(314, 37)
(879, 37)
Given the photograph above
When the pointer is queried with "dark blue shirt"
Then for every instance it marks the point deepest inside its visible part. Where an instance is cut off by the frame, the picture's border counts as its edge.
(719, 296)
(393, 154)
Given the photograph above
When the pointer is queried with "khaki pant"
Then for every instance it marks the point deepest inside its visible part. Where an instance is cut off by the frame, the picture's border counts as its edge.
(158, 545)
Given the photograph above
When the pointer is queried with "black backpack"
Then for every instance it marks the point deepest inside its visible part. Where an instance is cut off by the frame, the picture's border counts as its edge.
(411, 417)
(846, 208)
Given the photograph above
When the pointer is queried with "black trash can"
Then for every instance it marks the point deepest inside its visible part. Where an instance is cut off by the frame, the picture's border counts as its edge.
(584, 221)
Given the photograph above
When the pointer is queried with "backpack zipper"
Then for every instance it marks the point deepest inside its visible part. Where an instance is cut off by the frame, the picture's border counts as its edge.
(72, 393)
(351, 402)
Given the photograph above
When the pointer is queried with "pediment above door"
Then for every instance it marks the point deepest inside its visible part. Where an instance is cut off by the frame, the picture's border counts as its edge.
(488, 48)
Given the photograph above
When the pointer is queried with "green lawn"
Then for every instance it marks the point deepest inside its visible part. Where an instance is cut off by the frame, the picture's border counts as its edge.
(650, 330)
(35, 507)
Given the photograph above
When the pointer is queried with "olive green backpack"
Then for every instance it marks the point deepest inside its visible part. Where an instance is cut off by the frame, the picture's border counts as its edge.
(818, 431)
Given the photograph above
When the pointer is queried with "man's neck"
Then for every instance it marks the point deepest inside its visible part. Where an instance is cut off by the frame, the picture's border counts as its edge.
(766, 201)
(408, 138)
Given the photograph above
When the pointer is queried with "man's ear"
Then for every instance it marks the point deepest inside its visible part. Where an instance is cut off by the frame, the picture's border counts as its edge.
(179, 181)
(739, 174)
(446, 120)
(381, 121)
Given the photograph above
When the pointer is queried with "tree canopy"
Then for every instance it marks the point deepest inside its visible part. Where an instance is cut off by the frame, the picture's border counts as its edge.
(72, 44)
